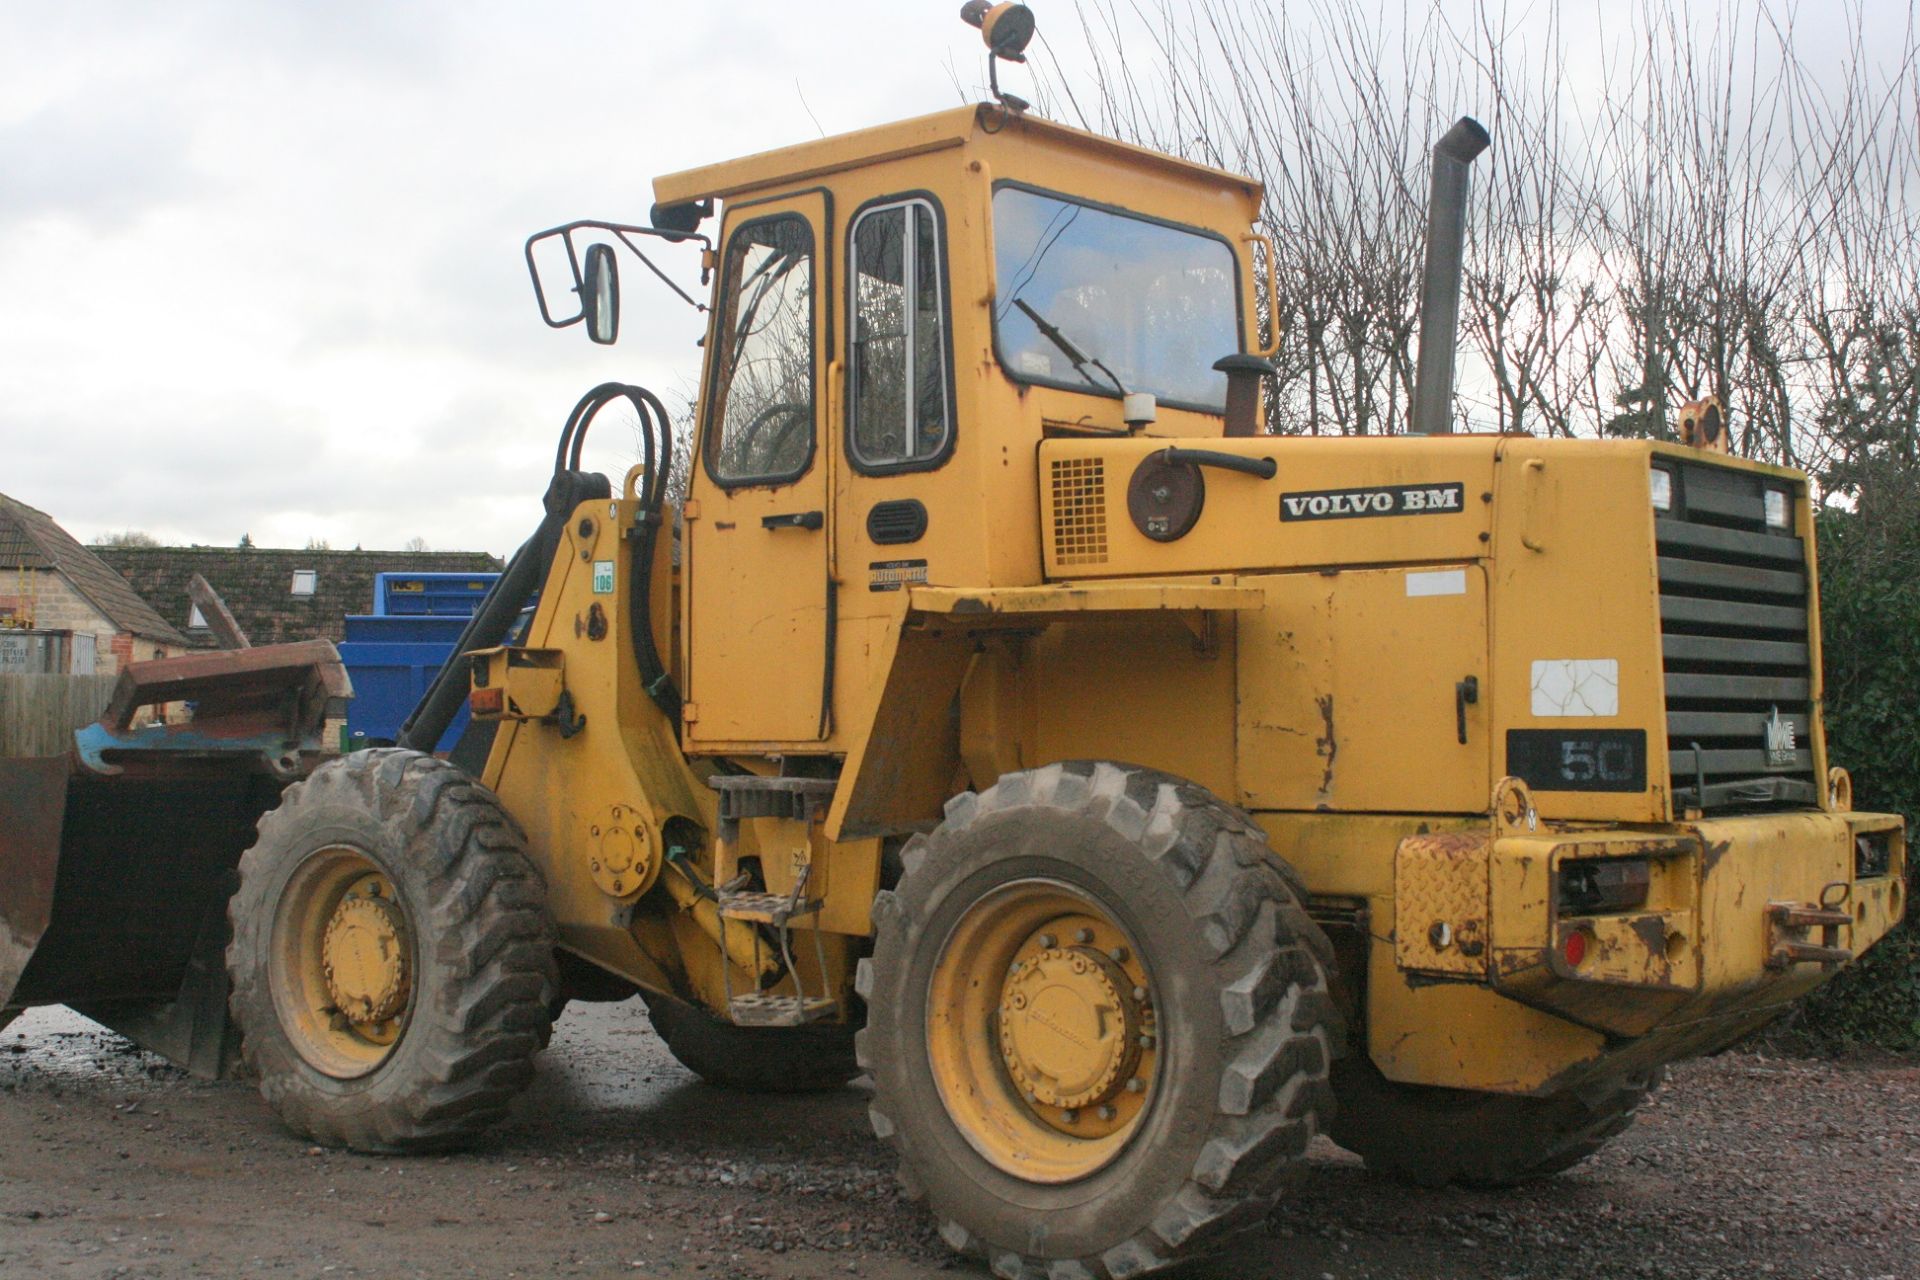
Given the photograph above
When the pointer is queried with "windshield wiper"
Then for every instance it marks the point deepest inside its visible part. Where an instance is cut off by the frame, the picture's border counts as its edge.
(1073, 353)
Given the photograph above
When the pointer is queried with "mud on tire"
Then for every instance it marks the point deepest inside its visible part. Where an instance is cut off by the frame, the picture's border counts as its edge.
(1244, 1017)
(482, 965)
(801, 1059)
(1438, 1137)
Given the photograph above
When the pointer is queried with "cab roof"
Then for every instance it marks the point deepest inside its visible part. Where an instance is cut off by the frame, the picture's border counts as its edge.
(937, 132)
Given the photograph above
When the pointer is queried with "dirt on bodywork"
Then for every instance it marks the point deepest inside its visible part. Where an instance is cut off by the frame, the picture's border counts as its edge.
(620, 1163)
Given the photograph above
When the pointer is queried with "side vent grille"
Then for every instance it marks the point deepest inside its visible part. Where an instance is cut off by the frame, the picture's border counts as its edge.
(892, 524)
(1079, 511)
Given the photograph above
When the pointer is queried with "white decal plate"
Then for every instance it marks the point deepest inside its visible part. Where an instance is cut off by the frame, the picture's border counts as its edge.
(1438, 582)
(1576, 687)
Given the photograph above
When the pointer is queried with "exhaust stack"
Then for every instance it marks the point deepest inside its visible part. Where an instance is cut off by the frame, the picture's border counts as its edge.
(1453, 158)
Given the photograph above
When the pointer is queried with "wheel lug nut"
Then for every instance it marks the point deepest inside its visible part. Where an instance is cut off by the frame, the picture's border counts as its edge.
(1070, 1115)
(1106, 1112)
(1083, 936)
(1119, 955)
(1136, 1085)
(1146, 1042)
(1139, 993)
(1047, 940)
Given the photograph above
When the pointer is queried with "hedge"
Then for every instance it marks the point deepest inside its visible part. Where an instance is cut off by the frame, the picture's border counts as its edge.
(1870, 615)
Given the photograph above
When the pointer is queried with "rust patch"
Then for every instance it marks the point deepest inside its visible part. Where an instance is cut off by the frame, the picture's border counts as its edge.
(1327, 745)
(1652, 932)
(33, 796)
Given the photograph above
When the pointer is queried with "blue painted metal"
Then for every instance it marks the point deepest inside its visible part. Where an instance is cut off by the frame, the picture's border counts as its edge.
(439, 595)
(394, 653)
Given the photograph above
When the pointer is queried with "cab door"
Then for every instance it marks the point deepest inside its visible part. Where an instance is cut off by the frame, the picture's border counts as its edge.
(757, 532)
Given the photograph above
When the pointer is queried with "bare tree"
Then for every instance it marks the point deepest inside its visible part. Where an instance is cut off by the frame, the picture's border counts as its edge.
(1678, 203)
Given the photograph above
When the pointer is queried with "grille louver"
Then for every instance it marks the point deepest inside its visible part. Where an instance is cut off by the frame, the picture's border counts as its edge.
(1079, 511)
(1734, 641)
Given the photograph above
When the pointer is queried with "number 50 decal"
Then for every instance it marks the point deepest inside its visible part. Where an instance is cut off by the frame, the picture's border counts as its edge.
(1579, 759)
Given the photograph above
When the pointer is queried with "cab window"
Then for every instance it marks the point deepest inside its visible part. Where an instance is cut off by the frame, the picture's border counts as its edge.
(1135, 302)
(898, 409)
(762, 417)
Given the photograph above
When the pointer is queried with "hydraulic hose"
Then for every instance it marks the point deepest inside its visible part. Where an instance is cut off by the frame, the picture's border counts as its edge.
(516, 586)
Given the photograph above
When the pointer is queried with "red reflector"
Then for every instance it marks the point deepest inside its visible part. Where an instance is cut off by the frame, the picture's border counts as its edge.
(1576, 948)
(488, 702)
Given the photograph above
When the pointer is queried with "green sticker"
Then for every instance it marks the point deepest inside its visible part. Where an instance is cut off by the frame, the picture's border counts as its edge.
(603, 577)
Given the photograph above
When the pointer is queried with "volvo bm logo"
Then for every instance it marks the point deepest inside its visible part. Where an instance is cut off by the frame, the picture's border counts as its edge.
(1780, 744)
(1383, 500)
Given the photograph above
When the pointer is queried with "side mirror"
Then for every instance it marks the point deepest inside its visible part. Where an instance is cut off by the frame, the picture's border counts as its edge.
(600, 294)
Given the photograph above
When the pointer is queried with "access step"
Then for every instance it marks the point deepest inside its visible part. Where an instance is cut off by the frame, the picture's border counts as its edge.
(762, 1010)
(775, 909)
(745, 795)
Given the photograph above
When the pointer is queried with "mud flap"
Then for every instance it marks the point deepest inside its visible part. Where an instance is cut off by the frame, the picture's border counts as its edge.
(117, 859)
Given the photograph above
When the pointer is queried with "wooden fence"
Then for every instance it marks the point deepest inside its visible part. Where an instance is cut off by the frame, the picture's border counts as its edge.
(39, 713)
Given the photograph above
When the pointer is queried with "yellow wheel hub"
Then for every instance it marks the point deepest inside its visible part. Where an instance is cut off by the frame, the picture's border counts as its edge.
(342, 962)
(365, 959)
(1068, 1026)
(1041, 1031)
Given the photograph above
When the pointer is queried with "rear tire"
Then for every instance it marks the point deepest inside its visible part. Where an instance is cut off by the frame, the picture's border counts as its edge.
(1438, 1137)
(803, 1059)
(988, 1104)
(451, 924)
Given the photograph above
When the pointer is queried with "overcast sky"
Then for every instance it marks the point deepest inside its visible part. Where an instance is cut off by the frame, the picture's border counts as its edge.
(260, 263)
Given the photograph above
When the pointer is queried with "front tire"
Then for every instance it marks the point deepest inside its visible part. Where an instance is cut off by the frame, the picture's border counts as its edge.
(1099, 1024)
(392, 960)
(1439, 1137)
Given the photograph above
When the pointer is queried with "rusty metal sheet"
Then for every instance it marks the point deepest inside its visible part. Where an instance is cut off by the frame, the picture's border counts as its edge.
(1440, 903)
(267, 705)
(33, 802)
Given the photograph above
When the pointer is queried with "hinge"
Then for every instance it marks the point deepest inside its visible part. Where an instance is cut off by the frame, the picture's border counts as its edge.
(689, 712)
(690, 509)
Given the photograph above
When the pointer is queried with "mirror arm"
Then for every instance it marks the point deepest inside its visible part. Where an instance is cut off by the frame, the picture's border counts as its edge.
(623, 232)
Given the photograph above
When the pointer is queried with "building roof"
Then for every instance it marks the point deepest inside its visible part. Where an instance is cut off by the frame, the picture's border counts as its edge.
(943, 129)
(30, 539)
(257, 584)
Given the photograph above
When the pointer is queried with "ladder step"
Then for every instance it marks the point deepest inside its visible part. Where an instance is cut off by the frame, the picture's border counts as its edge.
(780, 1011)
(766, 908)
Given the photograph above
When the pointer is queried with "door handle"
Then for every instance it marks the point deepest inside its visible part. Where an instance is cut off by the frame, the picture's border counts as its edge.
(1465, 692)
(794, 520)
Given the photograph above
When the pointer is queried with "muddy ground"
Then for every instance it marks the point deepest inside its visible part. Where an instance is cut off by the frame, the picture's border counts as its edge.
(114, 1164)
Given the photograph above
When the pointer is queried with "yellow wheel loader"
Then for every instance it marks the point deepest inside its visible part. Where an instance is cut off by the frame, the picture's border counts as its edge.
(1003, 714)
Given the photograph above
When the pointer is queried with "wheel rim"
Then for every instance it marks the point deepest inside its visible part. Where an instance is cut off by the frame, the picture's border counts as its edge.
(342, 962)
(1041, 1031)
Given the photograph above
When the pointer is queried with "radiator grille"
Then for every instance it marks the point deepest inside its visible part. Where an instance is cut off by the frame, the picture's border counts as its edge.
(1079, 511)
(1734, 642)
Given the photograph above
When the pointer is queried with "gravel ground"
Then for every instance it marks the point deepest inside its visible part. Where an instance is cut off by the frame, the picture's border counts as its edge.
(620, 1163)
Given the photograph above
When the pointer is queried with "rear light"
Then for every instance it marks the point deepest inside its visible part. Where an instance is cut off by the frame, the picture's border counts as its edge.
(488, 702)
(1601, 886)
(1872, 853)
(1575, 948)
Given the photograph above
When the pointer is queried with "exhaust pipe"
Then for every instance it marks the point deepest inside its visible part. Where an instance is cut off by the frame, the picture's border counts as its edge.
(1453, 158)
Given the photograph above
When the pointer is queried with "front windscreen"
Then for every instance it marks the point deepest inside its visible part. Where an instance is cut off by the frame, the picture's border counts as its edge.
(1155, 304)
